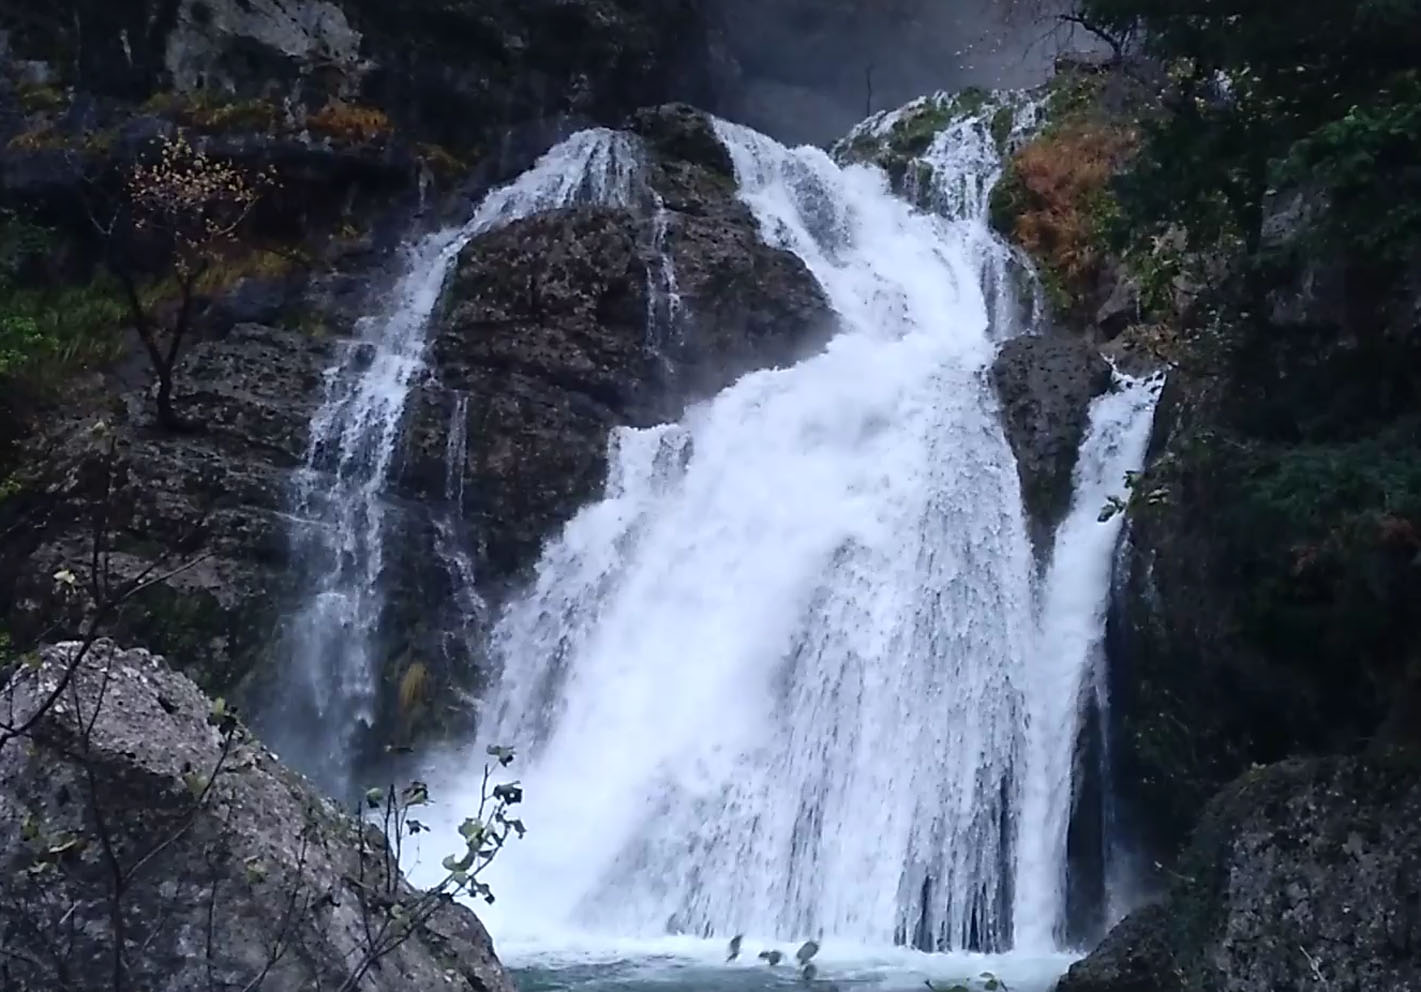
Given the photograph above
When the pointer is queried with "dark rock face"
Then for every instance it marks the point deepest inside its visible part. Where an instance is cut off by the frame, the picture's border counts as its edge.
(1134, 957)
(1045, 385)
(546, 333)
(1264, 610)
(507, 77)
(213, 889)
(1301, 870)
(207, 506)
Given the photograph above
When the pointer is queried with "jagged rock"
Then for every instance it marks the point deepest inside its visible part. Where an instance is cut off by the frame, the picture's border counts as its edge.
(680, 132)
(226, 856)
(1304, 874)
(546, 333)
(1310, 288)
(1133, 957)
(1045, 384)
(217, 44)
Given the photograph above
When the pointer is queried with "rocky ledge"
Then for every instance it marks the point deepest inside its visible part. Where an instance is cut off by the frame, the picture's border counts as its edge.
(142, 829)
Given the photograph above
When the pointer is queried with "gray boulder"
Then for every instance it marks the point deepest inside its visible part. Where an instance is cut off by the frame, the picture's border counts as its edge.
(1045, 384)
(1302, 875)
(136, 807)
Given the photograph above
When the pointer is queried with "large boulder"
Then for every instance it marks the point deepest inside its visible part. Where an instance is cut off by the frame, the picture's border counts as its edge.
(548, 335)
(1045, 384)
(135, 806)
(1301, 875)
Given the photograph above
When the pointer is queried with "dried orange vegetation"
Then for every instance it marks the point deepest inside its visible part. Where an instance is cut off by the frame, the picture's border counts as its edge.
(1060, 190)
(350, 122)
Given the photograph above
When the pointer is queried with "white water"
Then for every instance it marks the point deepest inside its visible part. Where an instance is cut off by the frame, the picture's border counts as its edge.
(794, 675)
(339, 497)
(1075, 597)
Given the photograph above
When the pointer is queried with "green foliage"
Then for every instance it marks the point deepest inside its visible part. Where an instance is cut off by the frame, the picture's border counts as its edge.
(1001, 125)
(1325, 88)
(40, 98)
(1370, 161)
(49, 331)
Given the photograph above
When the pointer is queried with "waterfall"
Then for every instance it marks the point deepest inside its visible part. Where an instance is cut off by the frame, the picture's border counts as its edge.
(326, 690)
(772, 682)
(795, 674)
(1075, 598)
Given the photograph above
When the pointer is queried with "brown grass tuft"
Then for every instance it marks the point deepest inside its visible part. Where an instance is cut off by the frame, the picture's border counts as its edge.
(350, 122)
(1061, 190)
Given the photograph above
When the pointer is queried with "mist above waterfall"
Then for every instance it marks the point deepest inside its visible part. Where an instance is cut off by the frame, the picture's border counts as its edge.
(809, 69)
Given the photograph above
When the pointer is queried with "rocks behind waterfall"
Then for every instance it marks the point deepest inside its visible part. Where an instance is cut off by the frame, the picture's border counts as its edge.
(1045, 384)
(218, 883)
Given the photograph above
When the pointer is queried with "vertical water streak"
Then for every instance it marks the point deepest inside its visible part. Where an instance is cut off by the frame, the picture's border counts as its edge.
(663, 295)
(327, 692)
(1074, 601)
(451, 539)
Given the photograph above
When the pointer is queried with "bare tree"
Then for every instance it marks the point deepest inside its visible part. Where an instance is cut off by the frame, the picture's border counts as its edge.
(181, 210)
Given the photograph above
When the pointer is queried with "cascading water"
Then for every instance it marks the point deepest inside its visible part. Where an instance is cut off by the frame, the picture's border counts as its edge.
(791, 677)
(339, 500)
(1074, 599)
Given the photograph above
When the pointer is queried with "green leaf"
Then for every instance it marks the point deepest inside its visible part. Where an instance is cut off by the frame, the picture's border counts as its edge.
(374, 797)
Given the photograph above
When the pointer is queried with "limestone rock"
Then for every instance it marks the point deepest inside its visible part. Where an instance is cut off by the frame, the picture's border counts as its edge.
(260, 874)
(208, 507)
(1045, 384)
(208, 35)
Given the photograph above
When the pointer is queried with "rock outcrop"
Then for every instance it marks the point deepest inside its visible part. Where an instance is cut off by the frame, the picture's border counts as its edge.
(1045, 384)
(137, 805)
(546, 332)
(198, 519)
(1301, 875)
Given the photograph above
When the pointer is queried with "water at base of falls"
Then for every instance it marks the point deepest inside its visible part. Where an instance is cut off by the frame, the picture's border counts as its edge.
(678, 964)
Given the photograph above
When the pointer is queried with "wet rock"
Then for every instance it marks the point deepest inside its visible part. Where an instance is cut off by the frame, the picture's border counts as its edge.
(680, 132)
(547, 333)
(548, 340)
(213, 889)
(1045, 384)
(1303, 874)
(1133, 957)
